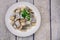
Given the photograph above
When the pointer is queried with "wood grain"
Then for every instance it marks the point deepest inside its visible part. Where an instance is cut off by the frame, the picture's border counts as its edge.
(55, 19)
(44, 31)
(29, 37)
(4, 33)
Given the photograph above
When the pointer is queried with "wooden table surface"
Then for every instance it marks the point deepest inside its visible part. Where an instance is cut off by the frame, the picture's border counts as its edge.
(50, 25)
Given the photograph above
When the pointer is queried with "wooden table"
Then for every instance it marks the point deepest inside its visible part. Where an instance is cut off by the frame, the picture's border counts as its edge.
(50, 25)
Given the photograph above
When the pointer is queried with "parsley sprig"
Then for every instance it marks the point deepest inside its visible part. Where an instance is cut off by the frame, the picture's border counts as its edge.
(25, 14)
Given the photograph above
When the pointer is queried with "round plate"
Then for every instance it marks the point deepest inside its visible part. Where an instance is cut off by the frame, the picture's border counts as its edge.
(17, 32)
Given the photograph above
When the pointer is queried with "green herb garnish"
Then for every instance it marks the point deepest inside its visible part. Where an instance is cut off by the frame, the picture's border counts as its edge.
(25, 14)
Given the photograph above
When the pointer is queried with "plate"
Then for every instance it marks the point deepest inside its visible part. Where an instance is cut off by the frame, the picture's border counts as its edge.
(17, 32)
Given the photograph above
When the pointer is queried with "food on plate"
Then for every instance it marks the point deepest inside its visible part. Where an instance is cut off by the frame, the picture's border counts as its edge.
(23, 18)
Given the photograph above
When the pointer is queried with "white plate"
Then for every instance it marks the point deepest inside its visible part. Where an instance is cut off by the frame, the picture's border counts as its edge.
(17, 32)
